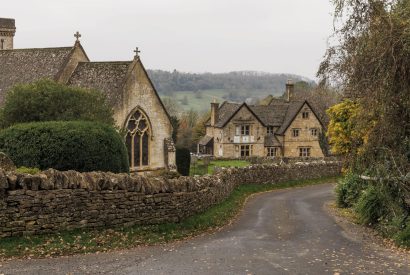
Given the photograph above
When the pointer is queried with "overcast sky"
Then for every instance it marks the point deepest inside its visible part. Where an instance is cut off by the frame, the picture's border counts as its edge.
(278, 36)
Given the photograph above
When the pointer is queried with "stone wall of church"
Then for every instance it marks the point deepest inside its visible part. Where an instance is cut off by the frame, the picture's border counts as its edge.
(52, 201)
(139, 93)
(77, 55)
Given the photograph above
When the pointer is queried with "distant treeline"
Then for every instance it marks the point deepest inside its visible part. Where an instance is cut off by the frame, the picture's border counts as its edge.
(167, 82)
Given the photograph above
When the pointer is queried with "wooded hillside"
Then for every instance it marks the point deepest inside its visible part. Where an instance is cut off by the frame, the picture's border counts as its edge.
(166, 82)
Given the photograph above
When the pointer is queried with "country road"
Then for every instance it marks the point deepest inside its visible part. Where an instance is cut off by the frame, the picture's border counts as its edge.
(282, 232)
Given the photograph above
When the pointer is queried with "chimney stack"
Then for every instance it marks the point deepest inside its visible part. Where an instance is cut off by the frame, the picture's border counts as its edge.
(214, 112)
(289, 90)
(7, 31)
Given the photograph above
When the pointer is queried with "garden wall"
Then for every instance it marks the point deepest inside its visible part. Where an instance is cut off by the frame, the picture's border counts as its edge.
(52, 200)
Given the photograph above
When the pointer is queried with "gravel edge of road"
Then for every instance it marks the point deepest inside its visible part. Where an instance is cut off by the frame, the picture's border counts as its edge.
(368, 236)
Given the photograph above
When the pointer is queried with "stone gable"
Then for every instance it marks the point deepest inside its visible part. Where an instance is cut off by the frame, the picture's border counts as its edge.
(269, 126)
(126, 85)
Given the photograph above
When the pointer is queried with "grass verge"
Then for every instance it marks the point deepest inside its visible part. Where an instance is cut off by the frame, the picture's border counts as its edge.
(99, 240)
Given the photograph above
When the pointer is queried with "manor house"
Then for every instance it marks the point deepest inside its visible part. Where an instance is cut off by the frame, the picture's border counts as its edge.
(138, 110)
(283, 128)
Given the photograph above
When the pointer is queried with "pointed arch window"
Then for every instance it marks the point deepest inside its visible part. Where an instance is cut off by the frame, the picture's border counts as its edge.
(138, 139)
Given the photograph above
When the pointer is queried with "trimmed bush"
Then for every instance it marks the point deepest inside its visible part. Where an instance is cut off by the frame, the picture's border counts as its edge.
(183, 160)
(65, 145)
(46, 100)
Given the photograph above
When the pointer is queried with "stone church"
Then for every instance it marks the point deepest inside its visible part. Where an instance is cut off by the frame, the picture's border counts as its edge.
(138, 109)
(283, 128)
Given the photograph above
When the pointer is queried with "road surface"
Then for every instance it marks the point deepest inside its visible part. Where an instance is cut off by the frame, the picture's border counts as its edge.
(282, 232)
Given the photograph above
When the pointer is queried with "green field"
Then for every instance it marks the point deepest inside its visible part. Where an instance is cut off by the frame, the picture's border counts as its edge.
(202, 103)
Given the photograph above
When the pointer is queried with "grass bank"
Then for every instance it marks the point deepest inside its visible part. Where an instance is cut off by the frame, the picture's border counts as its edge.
(98, 240)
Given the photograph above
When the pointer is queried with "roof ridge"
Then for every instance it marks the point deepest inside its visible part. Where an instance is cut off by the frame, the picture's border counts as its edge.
(28, 49)
(105, 62)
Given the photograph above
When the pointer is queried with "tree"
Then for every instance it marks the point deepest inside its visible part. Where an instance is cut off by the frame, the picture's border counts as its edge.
(46, 100)
(171, 105)
(342, 131)
(199, 129)
(371, 65)
(175, 128)
(185, 135)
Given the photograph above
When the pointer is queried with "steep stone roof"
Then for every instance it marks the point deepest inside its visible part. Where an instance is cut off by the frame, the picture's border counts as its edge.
(291, 112)
(205, 140)
(107, 77)
(28, 65)
(7, 23)
(225, 111)
(279, 114)
(271, 115)
(272, 140)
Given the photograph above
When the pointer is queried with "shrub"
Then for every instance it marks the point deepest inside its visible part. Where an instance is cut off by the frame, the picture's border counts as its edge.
(183, 160)
(65, 145)
(46, 100)
(379, 204)
(370, 205)
(349, 189)
(403, 237)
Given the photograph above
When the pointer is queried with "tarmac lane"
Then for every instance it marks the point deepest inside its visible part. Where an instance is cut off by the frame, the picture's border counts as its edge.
(280, 232)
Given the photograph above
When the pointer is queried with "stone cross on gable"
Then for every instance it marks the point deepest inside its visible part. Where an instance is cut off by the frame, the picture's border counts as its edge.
(137, 51)
(77, 35)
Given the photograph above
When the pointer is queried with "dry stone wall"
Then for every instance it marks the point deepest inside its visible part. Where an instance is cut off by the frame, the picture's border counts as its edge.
(53, 201)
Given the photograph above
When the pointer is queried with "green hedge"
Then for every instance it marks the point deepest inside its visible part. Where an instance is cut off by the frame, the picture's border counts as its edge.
(65, 145)
(183, 160)
(46, 100)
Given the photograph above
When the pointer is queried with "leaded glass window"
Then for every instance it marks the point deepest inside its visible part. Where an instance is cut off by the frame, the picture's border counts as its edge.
(138, 139)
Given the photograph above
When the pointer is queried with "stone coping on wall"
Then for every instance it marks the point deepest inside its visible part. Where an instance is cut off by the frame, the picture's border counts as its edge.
(52, 201)
(52, 179)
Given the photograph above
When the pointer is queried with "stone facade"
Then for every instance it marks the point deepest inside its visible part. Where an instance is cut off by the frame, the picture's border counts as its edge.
(140, 94)
(126, 85)
(305, 139)
(284, 128)
(7, 31)
(227, 143)
(53, 201)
